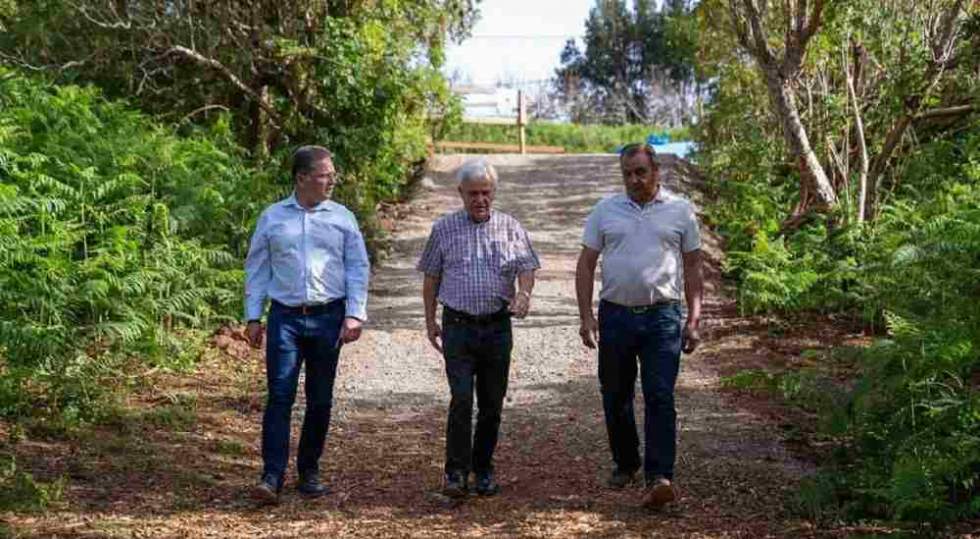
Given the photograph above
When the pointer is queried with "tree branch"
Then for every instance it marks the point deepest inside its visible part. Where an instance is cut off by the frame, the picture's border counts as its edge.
(228, 75)
(960, 110)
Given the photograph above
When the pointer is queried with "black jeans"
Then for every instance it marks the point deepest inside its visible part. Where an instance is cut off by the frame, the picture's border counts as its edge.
(653, 337)
(477, 356)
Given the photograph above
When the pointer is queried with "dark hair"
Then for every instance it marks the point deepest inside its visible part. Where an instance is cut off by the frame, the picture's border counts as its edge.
(305, 157)
(638, 147)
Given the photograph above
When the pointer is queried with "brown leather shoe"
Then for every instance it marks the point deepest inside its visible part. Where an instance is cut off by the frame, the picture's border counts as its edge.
(658, 493)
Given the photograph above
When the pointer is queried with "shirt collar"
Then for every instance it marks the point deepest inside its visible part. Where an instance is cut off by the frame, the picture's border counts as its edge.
(659, 198)
(466, 217)
(293, 203)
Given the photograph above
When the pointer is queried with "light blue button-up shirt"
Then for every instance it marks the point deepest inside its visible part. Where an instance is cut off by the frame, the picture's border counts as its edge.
(306, 257)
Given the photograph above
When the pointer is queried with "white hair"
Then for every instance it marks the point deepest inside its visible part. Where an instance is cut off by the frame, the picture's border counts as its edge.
(476, 169)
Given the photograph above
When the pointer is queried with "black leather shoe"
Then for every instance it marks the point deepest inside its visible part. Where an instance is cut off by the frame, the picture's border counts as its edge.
(485, 485)
(620, 478)
(266, 491)
(455, 485)
(309, 486)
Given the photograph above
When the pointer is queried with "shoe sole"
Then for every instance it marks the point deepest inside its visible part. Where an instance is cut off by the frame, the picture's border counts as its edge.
(659, 496)
(312, 495)
(264, 495)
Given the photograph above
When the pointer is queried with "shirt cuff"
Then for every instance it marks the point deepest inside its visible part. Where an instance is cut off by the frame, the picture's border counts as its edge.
(356, 309)
(253, 310)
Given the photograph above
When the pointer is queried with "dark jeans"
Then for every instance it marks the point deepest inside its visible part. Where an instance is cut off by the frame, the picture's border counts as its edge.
(654, 337)
(292, 339)
(477, 355)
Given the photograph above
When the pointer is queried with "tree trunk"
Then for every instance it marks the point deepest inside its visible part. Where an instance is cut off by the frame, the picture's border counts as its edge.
(781, 94)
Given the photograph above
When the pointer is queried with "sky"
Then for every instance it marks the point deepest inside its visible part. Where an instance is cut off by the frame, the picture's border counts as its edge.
(517, 40)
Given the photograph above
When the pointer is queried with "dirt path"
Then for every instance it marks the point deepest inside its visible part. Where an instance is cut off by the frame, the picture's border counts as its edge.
(384, 456)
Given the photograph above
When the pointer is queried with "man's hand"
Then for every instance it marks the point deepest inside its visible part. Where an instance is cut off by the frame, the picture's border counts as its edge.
(521, 304)
(254, 332)
(351, 330)
(434, 332)
(589, 331)
(690, 338)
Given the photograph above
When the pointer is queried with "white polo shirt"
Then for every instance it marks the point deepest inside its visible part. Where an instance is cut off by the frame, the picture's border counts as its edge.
(642, 247)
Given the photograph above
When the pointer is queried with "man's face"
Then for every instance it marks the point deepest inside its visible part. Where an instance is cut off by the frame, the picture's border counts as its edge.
(477, 198)
(317, 184)
(641, 177)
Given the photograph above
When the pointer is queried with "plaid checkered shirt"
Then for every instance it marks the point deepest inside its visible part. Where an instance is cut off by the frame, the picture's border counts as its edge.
(477, 262)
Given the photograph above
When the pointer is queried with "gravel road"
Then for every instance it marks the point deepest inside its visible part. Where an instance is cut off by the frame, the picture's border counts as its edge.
(732, 471)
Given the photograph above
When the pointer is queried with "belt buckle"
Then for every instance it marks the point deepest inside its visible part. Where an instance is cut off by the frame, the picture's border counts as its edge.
(639, 309)
(304, 309)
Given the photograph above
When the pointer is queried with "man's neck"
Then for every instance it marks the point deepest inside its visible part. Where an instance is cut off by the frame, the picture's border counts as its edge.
(642, 203)
(474, 220)
(307, 203)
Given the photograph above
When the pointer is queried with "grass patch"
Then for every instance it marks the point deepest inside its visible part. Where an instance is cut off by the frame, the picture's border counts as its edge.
(232, 448)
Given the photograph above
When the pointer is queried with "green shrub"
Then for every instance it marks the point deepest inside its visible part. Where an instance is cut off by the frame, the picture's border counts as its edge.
(908, 426)
(114, 235)
(19, 491)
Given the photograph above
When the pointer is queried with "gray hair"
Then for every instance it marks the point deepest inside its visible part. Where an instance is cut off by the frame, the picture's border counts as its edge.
(305, 157)
(476, 169)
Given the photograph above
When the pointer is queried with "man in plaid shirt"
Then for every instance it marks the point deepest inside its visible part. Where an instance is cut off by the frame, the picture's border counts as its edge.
(470, 263)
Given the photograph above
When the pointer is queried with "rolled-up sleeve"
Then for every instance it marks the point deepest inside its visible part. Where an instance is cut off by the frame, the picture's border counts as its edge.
(592, 235)
(357, 271)
(430, 263)
(690, 232)
(258, 270)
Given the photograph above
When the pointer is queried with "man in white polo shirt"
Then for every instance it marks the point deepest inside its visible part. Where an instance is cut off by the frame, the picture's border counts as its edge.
(650, 247)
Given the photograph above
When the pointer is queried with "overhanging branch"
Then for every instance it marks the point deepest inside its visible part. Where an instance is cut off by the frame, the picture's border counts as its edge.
(228, 75)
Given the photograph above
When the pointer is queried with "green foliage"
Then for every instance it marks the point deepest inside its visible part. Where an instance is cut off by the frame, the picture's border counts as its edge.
(360, 77)
(116, 233)
(575, 138)
(19, 491)
(634, 56)
(912, 420)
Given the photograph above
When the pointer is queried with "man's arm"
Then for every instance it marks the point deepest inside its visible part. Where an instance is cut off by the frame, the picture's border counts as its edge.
(693, 293)
(584, 284)
(522, 301)
(258, 275)
(357, 271)
(430, 290)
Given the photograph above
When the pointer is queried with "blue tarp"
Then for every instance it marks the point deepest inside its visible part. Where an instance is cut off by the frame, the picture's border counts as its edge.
(662, 144)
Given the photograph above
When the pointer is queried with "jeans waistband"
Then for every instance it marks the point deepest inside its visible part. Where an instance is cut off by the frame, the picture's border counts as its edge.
(459, 317)
(642, 309)
(315, 309)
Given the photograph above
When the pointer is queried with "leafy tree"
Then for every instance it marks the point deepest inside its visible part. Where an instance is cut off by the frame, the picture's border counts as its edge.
(633, 60)
(886, 67)
(360, 76)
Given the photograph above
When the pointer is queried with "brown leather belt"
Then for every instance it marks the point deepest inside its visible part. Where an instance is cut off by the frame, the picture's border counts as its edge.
(315, 309)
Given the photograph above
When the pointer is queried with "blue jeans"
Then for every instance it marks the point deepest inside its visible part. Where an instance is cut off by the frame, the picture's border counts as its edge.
(653, 336)
(292, 339)
(477, 357)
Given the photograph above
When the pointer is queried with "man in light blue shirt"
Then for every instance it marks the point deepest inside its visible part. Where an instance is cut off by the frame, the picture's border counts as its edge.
(308, 257)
